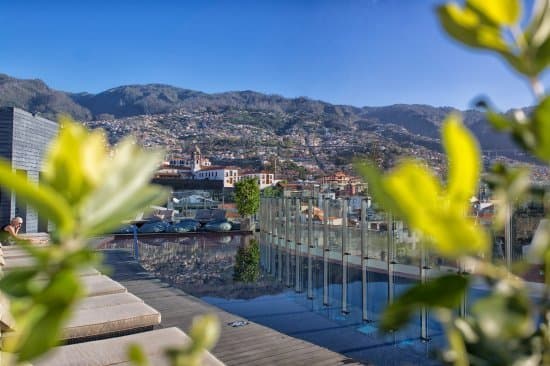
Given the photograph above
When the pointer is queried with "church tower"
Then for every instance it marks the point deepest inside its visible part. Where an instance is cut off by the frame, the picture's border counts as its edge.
(196, 156)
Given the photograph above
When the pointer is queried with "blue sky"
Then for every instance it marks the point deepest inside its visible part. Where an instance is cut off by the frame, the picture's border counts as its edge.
(359, 52)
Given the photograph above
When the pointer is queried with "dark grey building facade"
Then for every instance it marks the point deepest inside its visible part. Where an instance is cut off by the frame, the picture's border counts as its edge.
(24, 139)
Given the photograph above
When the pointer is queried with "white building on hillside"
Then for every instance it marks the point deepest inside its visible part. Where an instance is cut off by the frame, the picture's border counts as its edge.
(229, 175)
(264, 179)
(201, 168)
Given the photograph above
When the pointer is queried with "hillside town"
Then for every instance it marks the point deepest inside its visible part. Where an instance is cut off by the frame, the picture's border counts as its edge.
(305, 151)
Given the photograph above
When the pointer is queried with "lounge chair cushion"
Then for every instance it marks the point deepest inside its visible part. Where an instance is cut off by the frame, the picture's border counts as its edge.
(12, 263)
(97, 302)
(14, 253)
(93, 322)
(101, 285)
(113, 351)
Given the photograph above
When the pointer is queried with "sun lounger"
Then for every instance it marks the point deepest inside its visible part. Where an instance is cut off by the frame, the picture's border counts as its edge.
(109, 321)
(12, 263)
(103, 301)
(113, 351)
(101, 285)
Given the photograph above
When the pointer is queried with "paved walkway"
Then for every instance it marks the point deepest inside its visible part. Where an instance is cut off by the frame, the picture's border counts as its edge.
(252, 344)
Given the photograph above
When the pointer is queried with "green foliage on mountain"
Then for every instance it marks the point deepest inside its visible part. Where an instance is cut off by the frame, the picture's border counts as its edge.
(36, 97)
(272, 112)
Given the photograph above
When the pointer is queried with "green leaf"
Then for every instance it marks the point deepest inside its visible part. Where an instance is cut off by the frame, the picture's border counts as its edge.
(45, 333)
(205, 331)
(504, 316)
(414, 193)
(137, 356)
(464, 157)
(76, 161)
(538, 30)
(442, 292)
(124, 191)
(15, 282)
(466, 26)
(531, 133)
(373, 176)
(45, 200)
(501, 12)
(63, 289)
(537, 36)
(510, 185)
(541, 129)
(499, 121)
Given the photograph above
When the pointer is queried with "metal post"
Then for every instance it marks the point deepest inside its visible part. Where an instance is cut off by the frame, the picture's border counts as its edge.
(273, 227)
(269, 234)
(344, 256)
(508, 236)
(136, 247)
(280, 233)
(326, 249)
(297, 244)
(310, 273)
(364, 260)
(273, 234)
(423, 278)
(297, 238)
(288, 212)
(309, 247)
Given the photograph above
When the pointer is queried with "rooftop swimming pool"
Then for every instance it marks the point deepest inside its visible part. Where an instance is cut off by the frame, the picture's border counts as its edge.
(290, 292)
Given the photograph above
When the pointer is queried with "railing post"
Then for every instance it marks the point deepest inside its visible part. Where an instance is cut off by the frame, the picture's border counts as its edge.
(288, 212)
(344, 255)
(508, 236)
(269, 233)
(136, 246)
(280, 237)
(298, 256)
(297, 246)
(364, 260)
(423, 278)
(309, 248)
(273, 225)
(326, 249)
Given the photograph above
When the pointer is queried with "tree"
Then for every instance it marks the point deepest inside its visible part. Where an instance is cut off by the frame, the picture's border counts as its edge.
(506, 326)
(247, 197)
(276, 191)
(247, 262)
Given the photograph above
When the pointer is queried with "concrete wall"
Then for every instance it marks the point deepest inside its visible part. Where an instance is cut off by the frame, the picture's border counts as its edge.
(23, 140)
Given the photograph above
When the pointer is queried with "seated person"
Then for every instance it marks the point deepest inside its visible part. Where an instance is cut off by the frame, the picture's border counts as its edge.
(13, 227)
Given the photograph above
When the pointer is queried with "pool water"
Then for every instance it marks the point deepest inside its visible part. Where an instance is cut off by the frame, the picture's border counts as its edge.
(294, 300)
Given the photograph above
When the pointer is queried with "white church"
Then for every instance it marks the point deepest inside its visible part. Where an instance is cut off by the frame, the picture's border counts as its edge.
(199, 167)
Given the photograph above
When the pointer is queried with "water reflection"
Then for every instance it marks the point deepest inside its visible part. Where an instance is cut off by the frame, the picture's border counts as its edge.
(223, 266)
(247, 262)
(294, 292)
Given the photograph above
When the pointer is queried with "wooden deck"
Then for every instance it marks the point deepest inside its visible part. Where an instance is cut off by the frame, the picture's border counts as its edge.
(252, 344)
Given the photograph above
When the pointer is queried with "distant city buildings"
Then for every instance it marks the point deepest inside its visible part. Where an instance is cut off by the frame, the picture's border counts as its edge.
(197, 167)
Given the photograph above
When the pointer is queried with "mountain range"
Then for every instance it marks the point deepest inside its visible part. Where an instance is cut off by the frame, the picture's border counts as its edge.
(419, 121)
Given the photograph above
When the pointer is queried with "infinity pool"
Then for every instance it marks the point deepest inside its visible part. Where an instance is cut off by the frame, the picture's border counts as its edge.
(325, 310)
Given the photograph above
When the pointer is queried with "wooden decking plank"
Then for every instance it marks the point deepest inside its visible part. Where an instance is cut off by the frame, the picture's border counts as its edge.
(253, 337)
(252, 344)
(263, 350)
(229, 349)
(291, 356)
